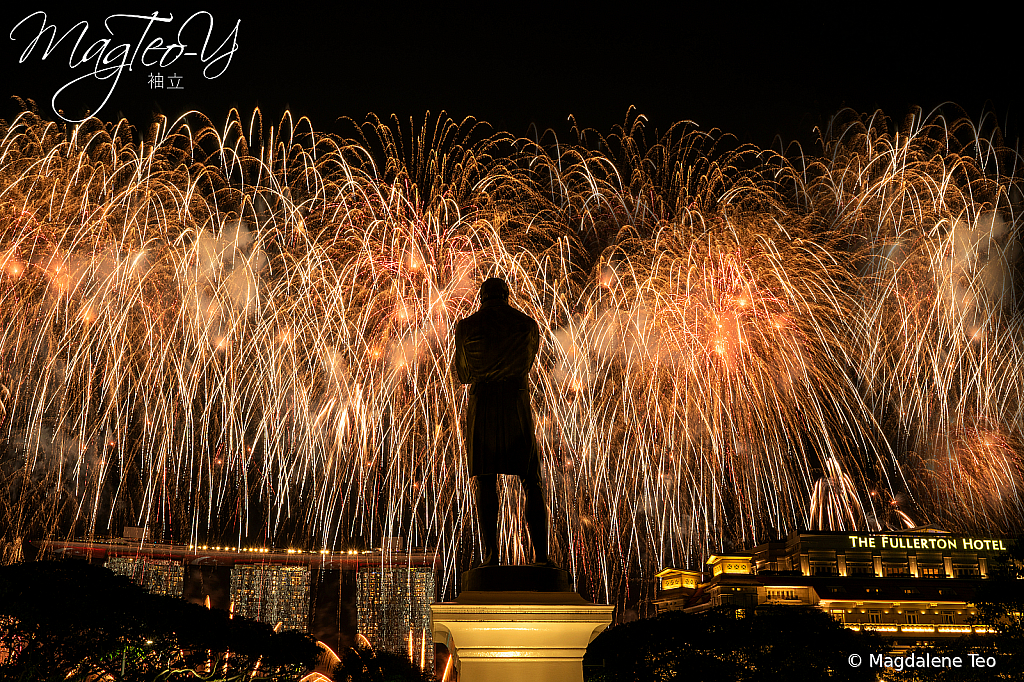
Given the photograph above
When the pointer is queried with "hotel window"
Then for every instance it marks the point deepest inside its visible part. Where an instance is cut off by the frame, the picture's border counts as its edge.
(782, 595)
(947, 617)
(839, 615)
(895, 570)
(911, 618)
(859, 563)
(875, 616)
(932, 572)
(823, 563)
(965, 565)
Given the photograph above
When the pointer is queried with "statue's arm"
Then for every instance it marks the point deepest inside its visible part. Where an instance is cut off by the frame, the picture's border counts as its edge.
(534, 342)
(459, 363)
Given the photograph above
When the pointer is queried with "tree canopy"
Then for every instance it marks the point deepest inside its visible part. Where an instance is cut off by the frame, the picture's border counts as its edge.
(775, 643)
(361, 664)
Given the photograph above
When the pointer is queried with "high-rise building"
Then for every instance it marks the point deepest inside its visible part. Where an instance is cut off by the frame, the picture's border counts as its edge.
(393, 604)
(158, 576)
(272, 593)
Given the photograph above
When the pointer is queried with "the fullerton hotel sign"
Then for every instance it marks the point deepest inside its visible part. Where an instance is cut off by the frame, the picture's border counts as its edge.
(925, 542)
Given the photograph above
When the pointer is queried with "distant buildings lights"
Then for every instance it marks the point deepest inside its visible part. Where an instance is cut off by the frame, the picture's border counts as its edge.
(264, 550)
(272, 593)
(254, 550)
(393, 601)
(393, 605)
(158, 576)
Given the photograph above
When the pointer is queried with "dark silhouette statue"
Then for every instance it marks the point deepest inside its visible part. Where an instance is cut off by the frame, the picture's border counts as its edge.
(494, 351)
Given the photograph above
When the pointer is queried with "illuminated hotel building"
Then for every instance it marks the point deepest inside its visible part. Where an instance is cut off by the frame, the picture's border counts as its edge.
(272, 593)
(158, 576)
(394, 610)
(913, 586)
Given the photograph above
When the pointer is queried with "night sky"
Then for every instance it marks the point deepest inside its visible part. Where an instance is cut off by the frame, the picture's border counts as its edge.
(754, 75)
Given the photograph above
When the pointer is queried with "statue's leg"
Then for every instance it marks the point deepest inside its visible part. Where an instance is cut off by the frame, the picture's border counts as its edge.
(487, 514)
(536, 517)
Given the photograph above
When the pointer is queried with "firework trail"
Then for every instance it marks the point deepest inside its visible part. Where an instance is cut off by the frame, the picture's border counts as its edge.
(934, 209)
(244, 334)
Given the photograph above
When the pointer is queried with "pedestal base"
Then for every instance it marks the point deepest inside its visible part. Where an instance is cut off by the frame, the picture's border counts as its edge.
(519, 635)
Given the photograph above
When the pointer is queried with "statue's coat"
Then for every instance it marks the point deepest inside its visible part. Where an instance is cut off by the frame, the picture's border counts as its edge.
(494, 351)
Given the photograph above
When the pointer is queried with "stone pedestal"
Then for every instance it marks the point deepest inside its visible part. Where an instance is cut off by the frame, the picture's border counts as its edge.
(533, 635)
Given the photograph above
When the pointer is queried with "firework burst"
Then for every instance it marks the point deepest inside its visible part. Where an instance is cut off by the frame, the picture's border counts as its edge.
(244, 334)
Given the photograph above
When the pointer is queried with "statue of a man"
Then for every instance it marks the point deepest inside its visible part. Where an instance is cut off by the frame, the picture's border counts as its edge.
(494, 351)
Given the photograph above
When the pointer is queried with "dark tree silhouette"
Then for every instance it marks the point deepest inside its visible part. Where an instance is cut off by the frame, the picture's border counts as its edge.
(63, 620)
(774, 643)
(364, 665)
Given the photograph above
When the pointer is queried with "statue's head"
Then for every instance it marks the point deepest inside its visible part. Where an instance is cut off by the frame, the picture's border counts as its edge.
(493, 289)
